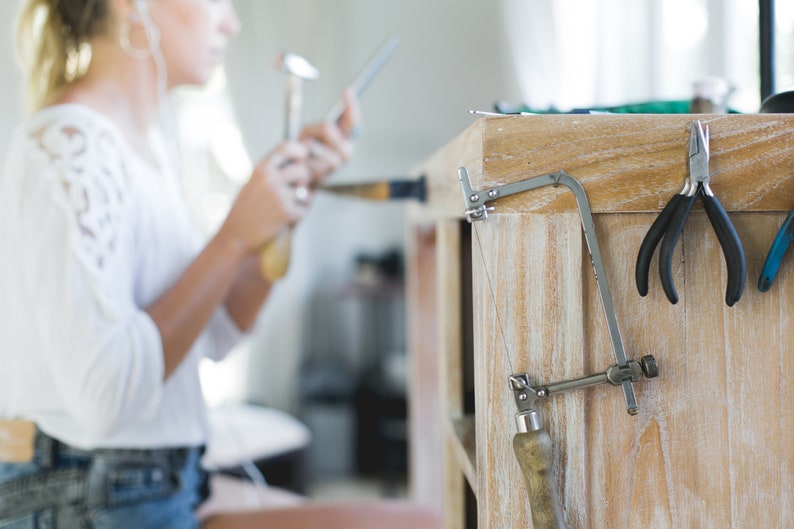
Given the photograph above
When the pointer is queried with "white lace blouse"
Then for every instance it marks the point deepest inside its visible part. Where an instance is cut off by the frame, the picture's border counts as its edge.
(90, 234)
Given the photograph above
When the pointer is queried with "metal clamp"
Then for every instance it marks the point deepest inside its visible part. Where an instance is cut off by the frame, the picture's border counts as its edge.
(476, 201)
(526, 394)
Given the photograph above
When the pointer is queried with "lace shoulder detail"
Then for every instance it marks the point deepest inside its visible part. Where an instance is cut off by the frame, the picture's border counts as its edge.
(83, 155)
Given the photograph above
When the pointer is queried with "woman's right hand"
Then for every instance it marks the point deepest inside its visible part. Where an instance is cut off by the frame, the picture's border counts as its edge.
(269, 201)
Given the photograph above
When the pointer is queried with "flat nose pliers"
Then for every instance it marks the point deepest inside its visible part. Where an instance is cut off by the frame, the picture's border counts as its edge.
(670, 223)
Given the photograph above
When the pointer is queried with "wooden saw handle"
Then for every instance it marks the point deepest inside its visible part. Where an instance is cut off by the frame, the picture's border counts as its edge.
(275, 254)
(534, 455)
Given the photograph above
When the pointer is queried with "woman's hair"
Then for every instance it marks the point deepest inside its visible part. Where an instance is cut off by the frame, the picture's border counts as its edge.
(53, 43)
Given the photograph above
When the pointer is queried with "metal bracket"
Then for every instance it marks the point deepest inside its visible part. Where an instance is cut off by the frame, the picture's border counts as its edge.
(476, 209)
(476, 201)
(526, 394)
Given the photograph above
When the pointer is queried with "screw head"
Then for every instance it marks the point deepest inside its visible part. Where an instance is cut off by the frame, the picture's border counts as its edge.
(522, 396)
(649, 366)
(493, 193)
(474, 198)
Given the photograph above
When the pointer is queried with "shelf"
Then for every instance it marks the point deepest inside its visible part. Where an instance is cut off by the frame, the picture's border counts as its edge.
(465, 448)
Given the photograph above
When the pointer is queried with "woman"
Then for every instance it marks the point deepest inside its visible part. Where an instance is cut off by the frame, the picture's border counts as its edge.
(111, 298)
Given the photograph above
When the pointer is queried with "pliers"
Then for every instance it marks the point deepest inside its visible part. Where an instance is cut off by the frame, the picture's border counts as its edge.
(670, 223)
(778, 249)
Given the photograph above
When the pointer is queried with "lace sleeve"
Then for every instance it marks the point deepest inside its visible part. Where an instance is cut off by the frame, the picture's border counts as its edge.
(88, 164)
(76, 224)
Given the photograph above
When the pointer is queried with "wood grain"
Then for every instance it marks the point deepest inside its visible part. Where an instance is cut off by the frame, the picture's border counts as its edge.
(527, 320)
(627, 163)
(444, 196)
(463, 446)
(637, 162)
(448, 322)
(534, 455)
(424, 406)
(710, 446)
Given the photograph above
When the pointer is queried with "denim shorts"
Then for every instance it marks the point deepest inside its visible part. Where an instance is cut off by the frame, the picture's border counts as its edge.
(68, 488)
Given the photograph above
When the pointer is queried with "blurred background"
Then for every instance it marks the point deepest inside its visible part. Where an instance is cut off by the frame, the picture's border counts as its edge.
(329, 350)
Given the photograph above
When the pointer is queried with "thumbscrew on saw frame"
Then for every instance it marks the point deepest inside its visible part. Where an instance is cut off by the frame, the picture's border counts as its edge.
(532, 444)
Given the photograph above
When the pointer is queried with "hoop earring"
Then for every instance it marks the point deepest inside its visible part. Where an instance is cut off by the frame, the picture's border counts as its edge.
(126, 45)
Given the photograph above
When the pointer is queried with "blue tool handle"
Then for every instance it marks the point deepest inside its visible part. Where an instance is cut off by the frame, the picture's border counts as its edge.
(649, 243)
(776, 252)
(731, 248)
(677, 221)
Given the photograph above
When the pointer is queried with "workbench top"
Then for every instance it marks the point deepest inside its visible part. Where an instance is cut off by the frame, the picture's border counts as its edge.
(626, 162)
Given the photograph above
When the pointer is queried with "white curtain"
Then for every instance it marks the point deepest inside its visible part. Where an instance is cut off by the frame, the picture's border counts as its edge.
(574, 53)
(12, 104)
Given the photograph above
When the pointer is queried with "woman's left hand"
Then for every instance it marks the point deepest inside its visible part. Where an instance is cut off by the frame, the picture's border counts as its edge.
(331, 144)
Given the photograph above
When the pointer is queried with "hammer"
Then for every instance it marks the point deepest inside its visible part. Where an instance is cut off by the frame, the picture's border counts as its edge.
(297, 69)
(275, 254)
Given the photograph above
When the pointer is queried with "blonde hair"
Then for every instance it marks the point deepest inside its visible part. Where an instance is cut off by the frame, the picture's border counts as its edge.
(52, 38)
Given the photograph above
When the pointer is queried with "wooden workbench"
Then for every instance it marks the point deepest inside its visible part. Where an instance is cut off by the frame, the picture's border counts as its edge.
(710, 447)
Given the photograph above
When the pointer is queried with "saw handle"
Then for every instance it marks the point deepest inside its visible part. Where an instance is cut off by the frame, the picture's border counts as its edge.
(534, 455)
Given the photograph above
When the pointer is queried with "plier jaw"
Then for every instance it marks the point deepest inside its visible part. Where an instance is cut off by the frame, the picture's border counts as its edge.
(699, 155)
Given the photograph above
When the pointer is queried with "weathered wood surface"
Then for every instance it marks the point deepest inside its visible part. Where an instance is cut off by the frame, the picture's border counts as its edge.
(463, 445)
(710, 447)
(528, 318)
(444, 197)
(425, 408)
(448, 322)
(627, 163)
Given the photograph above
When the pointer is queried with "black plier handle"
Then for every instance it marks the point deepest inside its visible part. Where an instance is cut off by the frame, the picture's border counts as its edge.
(669, 225)
(655, 234)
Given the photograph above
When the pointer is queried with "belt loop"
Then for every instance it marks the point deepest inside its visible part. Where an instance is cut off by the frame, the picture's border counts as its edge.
(46, 447)
(45, 519)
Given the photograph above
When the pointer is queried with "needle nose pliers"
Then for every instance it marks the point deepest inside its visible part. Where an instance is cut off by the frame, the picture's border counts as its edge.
(670, 223)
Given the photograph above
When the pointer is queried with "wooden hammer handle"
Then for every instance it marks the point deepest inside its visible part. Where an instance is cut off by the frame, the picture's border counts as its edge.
(534, 455)
(275, 255)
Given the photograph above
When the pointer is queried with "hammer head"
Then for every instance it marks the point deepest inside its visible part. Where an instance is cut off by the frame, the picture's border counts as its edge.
(296, 65)
(297, 69)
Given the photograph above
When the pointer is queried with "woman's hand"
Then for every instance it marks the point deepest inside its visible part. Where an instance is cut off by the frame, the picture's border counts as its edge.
(279, 190)
(331, 144)
(275, 196)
